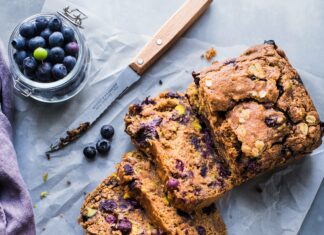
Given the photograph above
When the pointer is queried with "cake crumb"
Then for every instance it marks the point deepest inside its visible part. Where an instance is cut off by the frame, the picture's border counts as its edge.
(43, 195)
(45, 177)
(210, 53)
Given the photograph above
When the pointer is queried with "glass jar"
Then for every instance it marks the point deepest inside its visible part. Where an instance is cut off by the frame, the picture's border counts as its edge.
(57, 91)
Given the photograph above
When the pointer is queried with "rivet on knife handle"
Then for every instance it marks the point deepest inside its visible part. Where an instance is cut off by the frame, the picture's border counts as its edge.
(169, 33)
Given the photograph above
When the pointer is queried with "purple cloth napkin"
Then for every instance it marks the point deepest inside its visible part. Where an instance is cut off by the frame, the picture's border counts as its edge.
(16, 213)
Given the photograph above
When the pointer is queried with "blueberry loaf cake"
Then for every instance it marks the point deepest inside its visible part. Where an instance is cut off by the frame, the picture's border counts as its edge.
(109, 210)
(166, 129)
(257, 109)
(143, 183)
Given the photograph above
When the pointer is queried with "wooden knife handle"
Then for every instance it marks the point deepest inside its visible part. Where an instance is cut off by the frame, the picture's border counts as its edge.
(168, 34)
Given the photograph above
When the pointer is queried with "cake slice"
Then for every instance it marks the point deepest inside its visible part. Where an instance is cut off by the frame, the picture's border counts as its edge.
(144, 184)
(258, 109)
(109, 210)
(166, 129)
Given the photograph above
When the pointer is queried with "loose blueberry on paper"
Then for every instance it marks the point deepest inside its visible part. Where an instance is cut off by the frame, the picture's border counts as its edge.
(103, 145)
(46, 51)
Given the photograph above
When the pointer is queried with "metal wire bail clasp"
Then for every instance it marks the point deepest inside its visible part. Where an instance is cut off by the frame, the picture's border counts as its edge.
(75, 16)
(23, 89)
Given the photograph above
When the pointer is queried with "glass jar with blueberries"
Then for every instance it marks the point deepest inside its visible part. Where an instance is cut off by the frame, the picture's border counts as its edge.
(48, 58)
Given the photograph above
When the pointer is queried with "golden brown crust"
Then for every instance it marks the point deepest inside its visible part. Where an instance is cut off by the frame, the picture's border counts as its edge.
(260, 112)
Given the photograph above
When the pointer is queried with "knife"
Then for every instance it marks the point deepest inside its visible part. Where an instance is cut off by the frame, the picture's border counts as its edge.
(188, 13)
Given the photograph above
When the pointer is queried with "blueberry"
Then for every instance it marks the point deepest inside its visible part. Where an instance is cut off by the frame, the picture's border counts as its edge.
(56, 55)
(19, 57)
(179, 165)
(27, 30)
(128, 169)
(41, 23)
(89, 152)
(203, 171)
(107, 131)
(196, 78)
(44, 72)
(270, 42)
(172, 184)
(72, 48)
(30, 64)
(111, 219)
(36, 42)
(55, 24)
(19, 43)
(46, 33)
(103, 146)
(68, 34)
(209, 209)
(201, 230)
(195, 142)
(145, 134)
(271, 120)
(29, 74)
(69, 62)
(124, 226)
(135, 109)
(108, 206)
(59, 71)
(56, 39)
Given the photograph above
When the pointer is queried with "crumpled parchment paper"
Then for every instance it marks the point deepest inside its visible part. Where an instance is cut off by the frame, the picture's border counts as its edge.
(275, 203)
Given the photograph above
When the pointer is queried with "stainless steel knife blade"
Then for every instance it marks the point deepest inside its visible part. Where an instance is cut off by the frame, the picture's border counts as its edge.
(190, 11)
(125, 80)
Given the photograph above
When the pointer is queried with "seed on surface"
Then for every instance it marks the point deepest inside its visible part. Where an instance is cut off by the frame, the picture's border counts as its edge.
(245, 113)
(255, 152)
(196, 125)
(245, 148)
(241, 131)
(259, 145)
(256, 70)
(209, 82)
(311, 119)
(262, 94)
(91, 212)
(241, 120)
(303, 128)
(180, 109)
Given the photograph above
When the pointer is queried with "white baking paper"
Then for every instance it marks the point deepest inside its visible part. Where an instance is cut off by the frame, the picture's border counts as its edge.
(273, 204)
